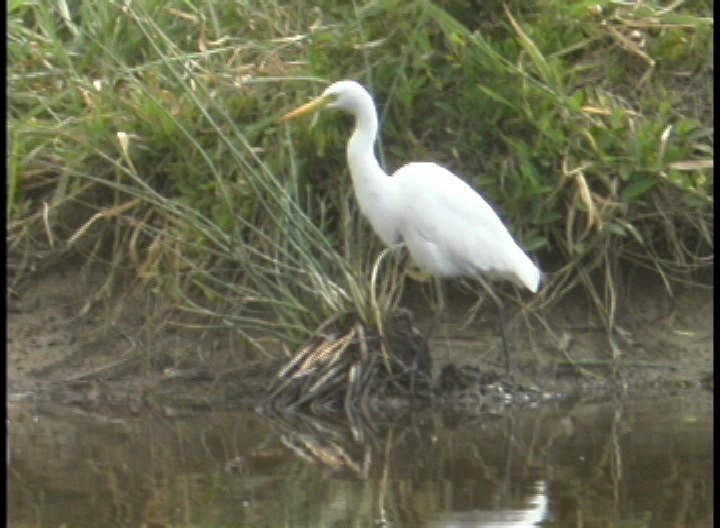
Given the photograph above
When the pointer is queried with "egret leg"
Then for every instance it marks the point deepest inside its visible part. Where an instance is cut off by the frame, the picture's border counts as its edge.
(501, 319)
(438, 308)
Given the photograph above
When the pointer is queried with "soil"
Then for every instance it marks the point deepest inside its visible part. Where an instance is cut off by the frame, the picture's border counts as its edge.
(69, 340)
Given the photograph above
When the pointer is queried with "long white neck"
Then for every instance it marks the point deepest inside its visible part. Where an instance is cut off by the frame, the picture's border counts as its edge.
(364, 167)
(373, 187)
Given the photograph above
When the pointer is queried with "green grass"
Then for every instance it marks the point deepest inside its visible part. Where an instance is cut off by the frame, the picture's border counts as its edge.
(146, 133)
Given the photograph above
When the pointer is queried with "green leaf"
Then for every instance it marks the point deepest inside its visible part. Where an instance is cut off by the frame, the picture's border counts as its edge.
(686, 20)
(576, 100)
(616, 229)
(633, 231)
(538, 60)
(534, 242)
(638, 187)
(15, 5)
(496, 97)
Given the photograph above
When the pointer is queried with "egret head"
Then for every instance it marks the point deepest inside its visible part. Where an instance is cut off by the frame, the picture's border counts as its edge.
(347, 96)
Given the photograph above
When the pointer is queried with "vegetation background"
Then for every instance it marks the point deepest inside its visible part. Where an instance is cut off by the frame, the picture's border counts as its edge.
(145, 135)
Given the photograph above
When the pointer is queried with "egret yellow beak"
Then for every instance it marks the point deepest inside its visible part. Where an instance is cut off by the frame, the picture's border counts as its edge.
(312, 106)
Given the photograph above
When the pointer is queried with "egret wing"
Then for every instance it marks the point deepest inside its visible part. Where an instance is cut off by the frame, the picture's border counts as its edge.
(451, 231)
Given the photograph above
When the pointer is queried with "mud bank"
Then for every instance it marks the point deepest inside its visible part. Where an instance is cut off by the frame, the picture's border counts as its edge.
(66, 341)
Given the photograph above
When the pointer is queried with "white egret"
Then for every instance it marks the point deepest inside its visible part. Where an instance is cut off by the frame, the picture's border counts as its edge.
(448, 228)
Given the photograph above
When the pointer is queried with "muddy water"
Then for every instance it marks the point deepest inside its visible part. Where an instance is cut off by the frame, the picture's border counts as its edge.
(629, 461)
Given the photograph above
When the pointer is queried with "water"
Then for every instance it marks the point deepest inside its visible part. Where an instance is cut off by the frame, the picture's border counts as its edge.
(629, 462)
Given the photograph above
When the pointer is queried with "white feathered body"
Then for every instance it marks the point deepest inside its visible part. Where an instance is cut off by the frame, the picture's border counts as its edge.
(449, 229)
